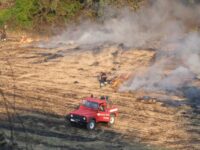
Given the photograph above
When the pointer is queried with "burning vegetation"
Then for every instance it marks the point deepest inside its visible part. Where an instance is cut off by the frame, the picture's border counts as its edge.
(147, 61)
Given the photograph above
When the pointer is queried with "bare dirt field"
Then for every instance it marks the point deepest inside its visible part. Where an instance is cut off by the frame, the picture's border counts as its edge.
(41, 86)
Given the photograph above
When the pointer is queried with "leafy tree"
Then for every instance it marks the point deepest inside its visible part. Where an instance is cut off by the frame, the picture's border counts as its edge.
(38, 13)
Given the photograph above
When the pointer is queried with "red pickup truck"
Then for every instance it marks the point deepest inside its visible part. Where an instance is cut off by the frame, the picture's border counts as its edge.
(92, 111)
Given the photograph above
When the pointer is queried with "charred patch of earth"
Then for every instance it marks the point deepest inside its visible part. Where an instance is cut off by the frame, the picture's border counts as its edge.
(39, 130)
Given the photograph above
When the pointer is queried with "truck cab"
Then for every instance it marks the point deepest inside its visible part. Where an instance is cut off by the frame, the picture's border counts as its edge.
(92, 111)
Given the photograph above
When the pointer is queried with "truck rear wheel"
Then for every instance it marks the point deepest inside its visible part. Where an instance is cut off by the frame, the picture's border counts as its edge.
(112, 120)
(67, 121)
(91, 125)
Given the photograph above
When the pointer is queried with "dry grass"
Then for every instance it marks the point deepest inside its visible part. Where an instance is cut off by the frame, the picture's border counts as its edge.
(45, 86)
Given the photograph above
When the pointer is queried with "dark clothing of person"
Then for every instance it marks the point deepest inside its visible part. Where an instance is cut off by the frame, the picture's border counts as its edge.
(102, 79)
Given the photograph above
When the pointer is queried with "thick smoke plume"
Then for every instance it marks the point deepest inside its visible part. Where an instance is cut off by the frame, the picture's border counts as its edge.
(159, 21)
(184, 60)
(167, 26)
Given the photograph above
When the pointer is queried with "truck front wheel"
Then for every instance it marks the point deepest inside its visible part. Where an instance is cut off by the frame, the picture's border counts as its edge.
(91, 125)
(67, 121)
(112, 120)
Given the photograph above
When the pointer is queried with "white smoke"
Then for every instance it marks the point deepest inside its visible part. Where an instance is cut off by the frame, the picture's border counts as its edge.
(185, 60)
(179, 48)
(162, 21)
(164, 25)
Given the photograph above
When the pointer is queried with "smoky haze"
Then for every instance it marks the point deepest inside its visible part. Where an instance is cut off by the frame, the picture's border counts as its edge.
(160, 24)
(183, 59)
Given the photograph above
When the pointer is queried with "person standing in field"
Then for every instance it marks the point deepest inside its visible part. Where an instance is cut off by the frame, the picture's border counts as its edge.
(102, 79)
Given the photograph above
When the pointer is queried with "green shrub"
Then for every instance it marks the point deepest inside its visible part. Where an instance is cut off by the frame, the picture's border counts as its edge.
(36, 13)
(24, 12)
(21, 12)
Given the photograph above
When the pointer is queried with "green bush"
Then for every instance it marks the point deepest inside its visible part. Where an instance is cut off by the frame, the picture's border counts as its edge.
(37, 13)
(24, 12)
(21, 12)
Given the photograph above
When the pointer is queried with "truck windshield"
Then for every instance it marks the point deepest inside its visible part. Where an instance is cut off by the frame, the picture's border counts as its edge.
(90, 104)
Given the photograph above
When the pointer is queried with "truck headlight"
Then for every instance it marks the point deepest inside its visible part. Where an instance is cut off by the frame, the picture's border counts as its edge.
(71, 115)
(84, 118)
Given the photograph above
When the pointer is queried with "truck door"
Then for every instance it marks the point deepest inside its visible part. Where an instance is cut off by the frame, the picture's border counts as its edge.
(103, 114)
